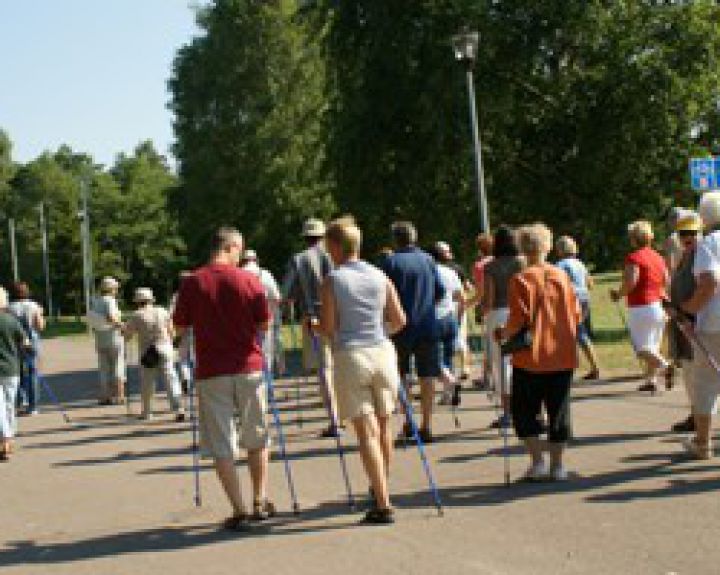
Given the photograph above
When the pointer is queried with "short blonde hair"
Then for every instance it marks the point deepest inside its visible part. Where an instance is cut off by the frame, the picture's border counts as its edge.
(641, 233)
(709, 209)
(566, 247)
(535, 239)
(4, 300)
(345, 233)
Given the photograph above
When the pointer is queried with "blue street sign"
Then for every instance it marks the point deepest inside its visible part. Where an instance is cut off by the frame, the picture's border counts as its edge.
(704, 173)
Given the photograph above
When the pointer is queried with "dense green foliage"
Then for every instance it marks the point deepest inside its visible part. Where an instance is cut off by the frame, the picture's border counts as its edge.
(134, 233)
(589, 112)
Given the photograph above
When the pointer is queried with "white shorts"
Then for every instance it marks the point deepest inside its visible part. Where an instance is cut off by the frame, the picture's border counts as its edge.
(647, 325)
(501, 381)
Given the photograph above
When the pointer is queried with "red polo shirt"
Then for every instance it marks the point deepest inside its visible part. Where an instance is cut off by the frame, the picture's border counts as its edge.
(224, 306)
(650, 287)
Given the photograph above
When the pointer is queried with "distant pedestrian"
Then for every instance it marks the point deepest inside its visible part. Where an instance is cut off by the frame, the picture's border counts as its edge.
(228, 311)
(485, 250)
(31, 317)
(506, 262)
(567, 250)
(644, 282)
(417, 281)
(682, 287)
(185, 346)
(542, 300)
(13, 340)
(271, 344)
(106, 322)
(359, 301)
(152, 324)
(705, 306)
(448, 311)
(305, 274)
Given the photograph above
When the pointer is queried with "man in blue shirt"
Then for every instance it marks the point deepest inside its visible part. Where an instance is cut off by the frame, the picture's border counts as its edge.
(416, 279)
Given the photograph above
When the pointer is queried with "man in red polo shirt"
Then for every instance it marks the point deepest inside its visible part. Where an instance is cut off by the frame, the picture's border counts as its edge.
(226, 307)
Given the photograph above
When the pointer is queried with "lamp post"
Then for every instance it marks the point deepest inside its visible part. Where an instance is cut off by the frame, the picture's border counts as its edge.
(84, 219)
(46, 260)
(465, 46)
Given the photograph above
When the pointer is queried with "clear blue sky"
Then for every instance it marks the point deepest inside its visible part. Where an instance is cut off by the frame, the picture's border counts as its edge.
(89, 73)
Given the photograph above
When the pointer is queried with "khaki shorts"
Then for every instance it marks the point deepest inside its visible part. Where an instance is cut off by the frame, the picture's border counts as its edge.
(704, 382)
(366, 381)
(233, 414)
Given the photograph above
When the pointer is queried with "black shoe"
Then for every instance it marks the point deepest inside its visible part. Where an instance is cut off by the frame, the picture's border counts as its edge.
(456, 396)
(180, 417)
(684, 426)
(105, 402)
(330, 432)
(238, 523)
(481, 384)
(648, 387)
(263, 510)
(379, 517)
(426, 436)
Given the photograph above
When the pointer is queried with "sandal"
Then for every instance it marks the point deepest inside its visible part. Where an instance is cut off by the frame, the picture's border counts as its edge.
(379, 517)
(239, 523)
(697, 450)
(263, 509)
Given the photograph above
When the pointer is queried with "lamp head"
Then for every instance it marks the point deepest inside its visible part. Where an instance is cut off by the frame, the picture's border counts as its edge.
(465, 45)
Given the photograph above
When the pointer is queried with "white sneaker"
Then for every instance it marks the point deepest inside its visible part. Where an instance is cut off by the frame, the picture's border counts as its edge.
(536, 472)
(559, 474)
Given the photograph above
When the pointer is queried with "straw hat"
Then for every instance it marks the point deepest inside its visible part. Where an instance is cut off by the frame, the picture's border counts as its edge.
(689, 222)
(313, 228)
(143, 295)
(109, 283)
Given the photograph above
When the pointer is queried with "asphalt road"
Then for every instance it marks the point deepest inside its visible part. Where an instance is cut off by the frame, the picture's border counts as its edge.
(108, 494)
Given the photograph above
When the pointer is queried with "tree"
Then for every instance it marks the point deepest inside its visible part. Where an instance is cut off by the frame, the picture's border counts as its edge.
(248, 100)
(589, 111)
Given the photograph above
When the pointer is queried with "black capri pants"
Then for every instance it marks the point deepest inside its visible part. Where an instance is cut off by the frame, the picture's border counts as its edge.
(533, 390)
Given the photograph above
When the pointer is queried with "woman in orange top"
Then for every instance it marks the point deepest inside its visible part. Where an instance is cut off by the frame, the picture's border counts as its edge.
(542, 299)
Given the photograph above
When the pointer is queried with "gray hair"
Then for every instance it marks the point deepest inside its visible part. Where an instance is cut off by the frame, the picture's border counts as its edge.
(566, 247)
(709, 209)
(535, 239)
(4, 300)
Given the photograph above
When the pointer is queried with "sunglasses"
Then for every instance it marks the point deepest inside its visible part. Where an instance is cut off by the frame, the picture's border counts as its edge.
(687, 233)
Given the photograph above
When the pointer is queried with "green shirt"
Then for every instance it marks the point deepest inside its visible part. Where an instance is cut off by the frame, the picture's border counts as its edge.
(12, 335)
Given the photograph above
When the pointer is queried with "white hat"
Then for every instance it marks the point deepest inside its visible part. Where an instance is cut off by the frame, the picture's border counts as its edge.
(143, 294)
(250, 255)
(313, 228)
(109, 283)
(444, 249)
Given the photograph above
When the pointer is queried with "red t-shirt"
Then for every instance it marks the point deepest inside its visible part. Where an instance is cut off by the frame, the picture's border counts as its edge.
(650, 287)
(224, 305)
(478, 270)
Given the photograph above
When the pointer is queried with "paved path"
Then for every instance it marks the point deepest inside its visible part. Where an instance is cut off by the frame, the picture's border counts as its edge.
(110, 495)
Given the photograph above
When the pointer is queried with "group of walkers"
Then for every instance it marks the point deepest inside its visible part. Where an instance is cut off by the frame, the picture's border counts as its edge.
(369, 331)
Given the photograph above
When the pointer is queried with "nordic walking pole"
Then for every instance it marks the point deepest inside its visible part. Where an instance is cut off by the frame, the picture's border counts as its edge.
(281, 436)
(294, 337)
(195, 447)
(503, 426)
(333, 419)
(410, 418)
(44, 384)
(695, 338)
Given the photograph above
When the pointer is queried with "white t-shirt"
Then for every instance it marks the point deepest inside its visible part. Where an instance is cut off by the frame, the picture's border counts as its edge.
(707, 260)
(272, 291)
(451, 282)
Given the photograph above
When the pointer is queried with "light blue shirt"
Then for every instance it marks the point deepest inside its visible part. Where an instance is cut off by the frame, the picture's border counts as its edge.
(360, 291)
(578, 274)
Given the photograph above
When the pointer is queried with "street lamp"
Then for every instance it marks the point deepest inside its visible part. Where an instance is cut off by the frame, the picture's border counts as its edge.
(465, 46)
(46, 261)
(84, 220)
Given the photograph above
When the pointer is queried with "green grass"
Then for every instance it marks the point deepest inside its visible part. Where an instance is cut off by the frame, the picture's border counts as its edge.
(611, 339)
